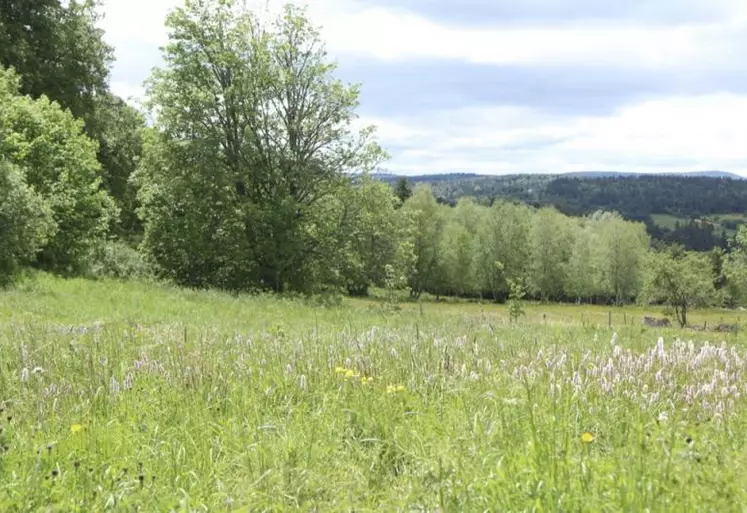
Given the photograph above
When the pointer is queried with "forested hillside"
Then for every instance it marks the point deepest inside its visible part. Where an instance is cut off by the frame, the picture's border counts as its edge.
(708, 208)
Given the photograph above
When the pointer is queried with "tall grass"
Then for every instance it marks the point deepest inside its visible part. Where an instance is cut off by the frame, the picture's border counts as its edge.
(134, 397)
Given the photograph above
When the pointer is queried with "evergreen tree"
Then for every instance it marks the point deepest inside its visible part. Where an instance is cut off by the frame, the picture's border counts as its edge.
(403, 190)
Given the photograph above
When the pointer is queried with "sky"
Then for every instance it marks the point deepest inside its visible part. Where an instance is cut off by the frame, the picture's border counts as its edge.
(519, 86)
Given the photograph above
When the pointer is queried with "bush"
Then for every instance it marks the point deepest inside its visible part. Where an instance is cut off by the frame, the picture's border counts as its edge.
(25, 222)
(58, 162)
(114, 259)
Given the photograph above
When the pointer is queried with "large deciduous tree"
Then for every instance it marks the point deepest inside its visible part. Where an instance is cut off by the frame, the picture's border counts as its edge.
(253, 135)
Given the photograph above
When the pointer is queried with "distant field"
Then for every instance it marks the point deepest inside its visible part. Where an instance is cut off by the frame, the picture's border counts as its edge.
(667, 221)
(729, 222)
(137, 397)
(722, 222)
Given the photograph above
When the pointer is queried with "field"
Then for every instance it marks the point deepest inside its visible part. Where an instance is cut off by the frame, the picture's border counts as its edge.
(726, 222)
(138, 397)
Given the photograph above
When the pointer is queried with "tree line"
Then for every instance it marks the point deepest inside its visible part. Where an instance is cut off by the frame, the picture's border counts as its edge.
(254, 174)
(635, 197)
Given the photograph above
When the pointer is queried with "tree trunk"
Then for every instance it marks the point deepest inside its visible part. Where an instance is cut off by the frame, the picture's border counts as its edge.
(681, 313)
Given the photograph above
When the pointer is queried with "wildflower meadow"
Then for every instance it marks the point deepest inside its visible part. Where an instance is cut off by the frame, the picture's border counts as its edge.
(132, 397)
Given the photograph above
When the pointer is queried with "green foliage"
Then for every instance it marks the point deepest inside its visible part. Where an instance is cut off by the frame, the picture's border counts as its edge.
(371, 232)
(734, 269)
(550, 240)
(457, 250)
(25, 222)
(59, 53)
(57, 49)
(402, 189)
(114, 259)
(583, 276)
(396, 273)
(59, 162)
(622, 248)
(119, 127)
(425, 225)
(709, 208)
(193, 231)
(681, 280)
(502, 236)
(252, 143)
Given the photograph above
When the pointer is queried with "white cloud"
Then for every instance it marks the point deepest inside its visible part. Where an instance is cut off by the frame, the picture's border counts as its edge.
(392, 34)
(351, 29)
(136, 22)
(709, 130)
(131, 92)
(676, 134)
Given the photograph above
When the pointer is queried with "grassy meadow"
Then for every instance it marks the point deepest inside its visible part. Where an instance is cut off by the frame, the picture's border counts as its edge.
(139, 397)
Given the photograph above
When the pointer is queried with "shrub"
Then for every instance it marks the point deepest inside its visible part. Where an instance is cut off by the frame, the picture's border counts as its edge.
(58, 162)
(25, 222)
(114, 259)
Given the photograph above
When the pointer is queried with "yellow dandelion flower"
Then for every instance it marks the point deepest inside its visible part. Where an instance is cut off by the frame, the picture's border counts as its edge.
(587, 437)
(76, 428)
(349, 373)
(366, 380)
(339, 370)
(393, 389)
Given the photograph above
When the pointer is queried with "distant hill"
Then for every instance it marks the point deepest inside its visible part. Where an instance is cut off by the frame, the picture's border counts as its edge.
(689, 196)
(622, 174)
(575, 174)
(716, 174)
